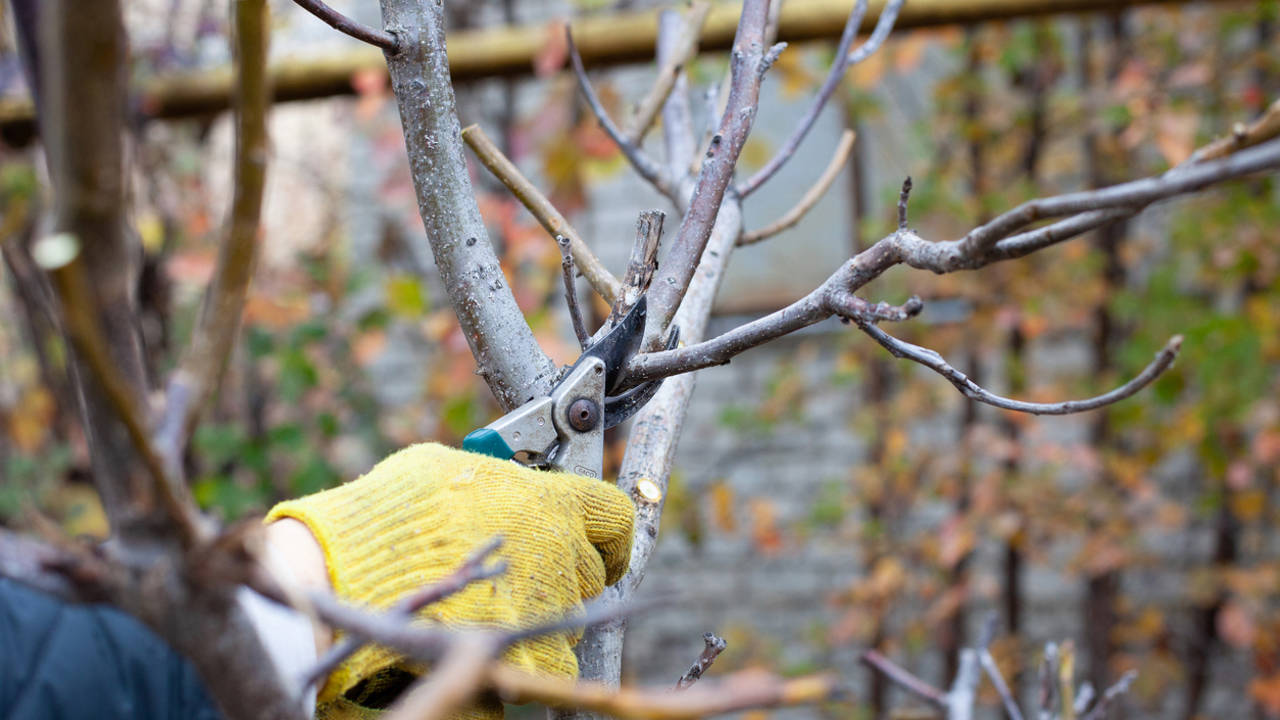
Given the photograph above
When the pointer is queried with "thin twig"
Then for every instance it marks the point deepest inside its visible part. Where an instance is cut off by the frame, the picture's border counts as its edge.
(685, 50)
(1111, 694)
(843, 61)
(811, 196)
(903, 678)
(741, 691)
(347, 26)
(1264, 128)
(643, 164)
(205, 360)
(714, 645)
(472, 570)
(601, 280)
(973, 391)
(993, 671)
(571, 293)
(1049, 681)
(903, 198)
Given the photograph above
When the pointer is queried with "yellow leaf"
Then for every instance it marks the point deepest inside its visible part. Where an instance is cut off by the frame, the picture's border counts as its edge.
(722, 514)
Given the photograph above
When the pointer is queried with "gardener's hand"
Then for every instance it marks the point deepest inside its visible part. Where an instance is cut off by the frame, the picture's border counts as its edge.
(418, 514)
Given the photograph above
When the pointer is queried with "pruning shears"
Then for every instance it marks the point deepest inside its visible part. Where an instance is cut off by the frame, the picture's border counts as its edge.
(564, 430)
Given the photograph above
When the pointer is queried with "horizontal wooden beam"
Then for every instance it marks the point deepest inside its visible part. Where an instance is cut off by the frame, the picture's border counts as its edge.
(511, 50)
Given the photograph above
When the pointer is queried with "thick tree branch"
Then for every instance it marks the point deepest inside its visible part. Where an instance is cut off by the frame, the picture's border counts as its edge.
(843, 61)
(811, 196)
(506, 352)
(602, 281)
(347, 26)
(643, 164)
(748, 62)
(686, 48)
(205, 360)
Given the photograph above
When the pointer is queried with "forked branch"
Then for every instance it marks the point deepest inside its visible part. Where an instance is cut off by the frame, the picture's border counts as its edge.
(843, 61)
(347, 26)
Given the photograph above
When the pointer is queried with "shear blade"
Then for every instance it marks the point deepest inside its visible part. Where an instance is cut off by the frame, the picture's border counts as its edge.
(618, 408)
(619, 344)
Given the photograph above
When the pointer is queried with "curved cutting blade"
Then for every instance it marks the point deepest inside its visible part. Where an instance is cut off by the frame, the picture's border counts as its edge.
(617, 347)
(619, 408)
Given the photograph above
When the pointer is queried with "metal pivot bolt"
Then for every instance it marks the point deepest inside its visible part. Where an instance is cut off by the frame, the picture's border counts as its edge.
(584, 415)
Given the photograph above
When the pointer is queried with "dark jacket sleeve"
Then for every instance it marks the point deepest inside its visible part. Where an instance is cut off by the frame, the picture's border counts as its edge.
(68, 662)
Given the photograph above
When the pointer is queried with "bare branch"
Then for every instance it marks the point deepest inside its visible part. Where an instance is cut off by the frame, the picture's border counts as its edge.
(74, 290)
(973, 391)
(740, 691)
(1264, 128)
(677, 115)
(811, 197)
(571, 292)
(541, 208)
(714, 645)
(1109, 696)
(1132, 195)
(963, 695)
(903, 678)
(1049, 681)
(746, 65)
(641, 266)
(470, 571)
(843, 61)
(507, 354)
(347, 26)
(204, 362)
(643, 164)
(31, 562)
(451, 683)
(993, 671)
(903, 198)
(833, 297)
(686, 49)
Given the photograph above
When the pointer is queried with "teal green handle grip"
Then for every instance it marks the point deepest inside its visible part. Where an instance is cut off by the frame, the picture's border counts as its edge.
(486, 441)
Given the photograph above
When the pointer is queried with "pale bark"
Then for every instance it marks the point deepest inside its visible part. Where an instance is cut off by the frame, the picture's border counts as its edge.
(506, 352)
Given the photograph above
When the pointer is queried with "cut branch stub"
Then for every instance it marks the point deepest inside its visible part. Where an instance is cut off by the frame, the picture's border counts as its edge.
(642, 265)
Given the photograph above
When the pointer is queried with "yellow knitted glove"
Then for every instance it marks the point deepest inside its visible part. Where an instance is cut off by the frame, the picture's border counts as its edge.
(415, 517)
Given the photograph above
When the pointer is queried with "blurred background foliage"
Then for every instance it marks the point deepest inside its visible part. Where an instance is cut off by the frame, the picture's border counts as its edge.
(1033, 108)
